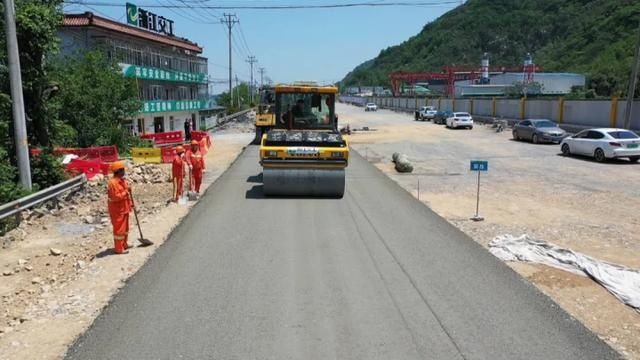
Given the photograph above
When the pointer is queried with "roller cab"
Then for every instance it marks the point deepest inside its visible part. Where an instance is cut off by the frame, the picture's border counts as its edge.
(304, 154)
(265, 117)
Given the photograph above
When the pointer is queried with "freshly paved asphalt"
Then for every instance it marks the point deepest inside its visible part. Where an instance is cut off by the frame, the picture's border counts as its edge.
(375, 275)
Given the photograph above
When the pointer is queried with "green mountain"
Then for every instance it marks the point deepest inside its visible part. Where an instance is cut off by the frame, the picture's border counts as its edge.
(592, 37)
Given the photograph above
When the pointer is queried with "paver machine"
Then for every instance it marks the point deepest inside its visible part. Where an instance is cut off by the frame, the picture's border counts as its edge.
(265, 117)
(304, 154)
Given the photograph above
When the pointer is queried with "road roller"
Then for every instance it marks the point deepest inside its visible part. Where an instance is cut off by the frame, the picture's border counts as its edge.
(304, 154)
(265, 117)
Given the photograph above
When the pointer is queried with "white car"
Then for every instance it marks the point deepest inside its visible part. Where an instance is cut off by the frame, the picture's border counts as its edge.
(459, 119)
(426, 113)
(603, 144)
(371, 107)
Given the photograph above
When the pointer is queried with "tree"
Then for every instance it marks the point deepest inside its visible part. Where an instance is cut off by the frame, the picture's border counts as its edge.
(241, 91)
(95, 100)
(36, 25)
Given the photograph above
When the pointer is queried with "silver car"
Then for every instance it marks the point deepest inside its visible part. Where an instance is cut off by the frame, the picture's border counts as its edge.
(538, 131)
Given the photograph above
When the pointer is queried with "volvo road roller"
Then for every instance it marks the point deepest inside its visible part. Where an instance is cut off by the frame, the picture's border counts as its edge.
(265, 117)
(304, 154)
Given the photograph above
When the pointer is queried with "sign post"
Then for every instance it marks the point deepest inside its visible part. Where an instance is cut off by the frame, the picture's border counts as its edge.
(478, 166)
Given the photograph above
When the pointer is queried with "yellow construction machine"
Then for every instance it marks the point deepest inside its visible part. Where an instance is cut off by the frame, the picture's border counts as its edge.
(304, 154)
(265, 117)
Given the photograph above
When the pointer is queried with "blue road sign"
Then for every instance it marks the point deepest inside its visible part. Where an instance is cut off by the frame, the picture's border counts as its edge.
(479, 165)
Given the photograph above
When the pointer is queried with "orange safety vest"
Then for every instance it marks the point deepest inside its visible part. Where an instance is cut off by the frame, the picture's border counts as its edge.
(196, 160)
(177, 167)
(118, 196)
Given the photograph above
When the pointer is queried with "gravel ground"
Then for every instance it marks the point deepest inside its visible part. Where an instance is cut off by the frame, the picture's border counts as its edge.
(56, 269)
(572, 202)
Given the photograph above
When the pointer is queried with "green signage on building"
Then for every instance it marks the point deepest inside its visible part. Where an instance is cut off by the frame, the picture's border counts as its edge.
(132, 14)
(155, 106)
(141, 72)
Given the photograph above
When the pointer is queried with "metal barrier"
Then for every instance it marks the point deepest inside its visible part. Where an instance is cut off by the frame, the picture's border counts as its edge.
(29, 201)
(229, 118)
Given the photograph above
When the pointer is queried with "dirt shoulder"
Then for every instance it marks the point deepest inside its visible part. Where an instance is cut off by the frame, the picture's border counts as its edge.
(529, 189)
(59, 270)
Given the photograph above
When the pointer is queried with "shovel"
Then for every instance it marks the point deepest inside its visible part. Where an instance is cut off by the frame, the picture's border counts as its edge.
(141, 239)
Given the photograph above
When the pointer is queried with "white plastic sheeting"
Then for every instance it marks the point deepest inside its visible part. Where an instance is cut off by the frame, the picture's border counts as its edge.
(622, 282)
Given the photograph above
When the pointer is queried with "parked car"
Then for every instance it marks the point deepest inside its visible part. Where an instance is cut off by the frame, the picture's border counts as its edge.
(459, 119)
(371, 107)
(603, 144)
(538, 131)
(441, 117)
(426, 113)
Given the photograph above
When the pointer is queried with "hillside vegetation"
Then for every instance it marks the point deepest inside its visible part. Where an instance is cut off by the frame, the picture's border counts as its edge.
(593, 37)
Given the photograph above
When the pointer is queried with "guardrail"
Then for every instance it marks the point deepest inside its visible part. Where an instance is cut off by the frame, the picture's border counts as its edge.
(229, 118)
(32, 200)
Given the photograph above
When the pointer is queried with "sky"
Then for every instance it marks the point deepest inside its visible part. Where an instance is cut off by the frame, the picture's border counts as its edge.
(302, 44)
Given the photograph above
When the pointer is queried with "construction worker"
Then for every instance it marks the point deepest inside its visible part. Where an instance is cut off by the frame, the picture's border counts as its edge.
(120, 205)
(178, 172)
(196, 166)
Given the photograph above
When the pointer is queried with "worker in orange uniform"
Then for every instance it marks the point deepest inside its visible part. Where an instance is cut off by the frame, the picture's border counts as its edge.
(178, 173)
(196, 166)
(120, 205)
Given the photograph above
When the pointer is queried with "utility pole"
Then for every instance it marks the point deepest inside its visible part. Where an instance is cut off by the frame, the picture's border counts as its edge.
(230, 20)
(633, 81)
(261, 71)
(237, 91)
(17, 100)
(252, 60)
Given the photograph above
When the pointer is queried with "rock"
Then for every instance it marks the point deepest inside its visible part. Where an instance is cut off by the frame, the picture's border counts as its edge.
(89, 219)
(146, 178)
(80, 264)
(7, 273)
(45, 288)
(83, 211)
(36, 280)
(402, 163)
(137, 171)
(14, 323)
(22, 262)
(28, 267)
(55, 252)
(104, 220)
(6, 330)
(97, 178)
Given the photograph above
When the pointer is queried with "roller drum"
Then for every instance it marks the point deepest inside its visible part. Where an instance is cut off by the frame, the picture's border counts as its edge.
(303, 182)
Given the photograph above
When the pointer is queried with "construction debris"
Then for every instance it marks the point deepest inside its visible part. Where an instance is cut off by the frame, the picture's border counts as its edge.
(148, 174)
(402, 163)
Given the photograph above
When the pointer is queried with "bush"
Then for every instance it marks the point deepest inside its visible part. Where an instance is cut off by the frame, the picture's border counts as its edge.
(9, 190)
(46, 170)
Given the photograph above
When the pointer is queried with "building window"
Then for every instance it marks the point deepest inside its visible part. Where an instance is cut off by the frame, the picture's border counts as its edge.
(182, 93)
(171, 124)
(156, 92)
(140, 126)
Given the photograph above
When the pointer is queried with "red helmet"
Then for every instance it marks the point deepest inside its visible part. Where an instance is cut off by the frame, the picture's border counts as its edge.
(179, 149)
(195, 142)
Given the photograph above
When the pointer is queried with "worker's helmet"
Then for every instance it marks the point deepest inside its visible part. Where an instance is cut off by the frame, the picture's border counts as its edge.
(117, 165)
(179, 149)
(195, 142)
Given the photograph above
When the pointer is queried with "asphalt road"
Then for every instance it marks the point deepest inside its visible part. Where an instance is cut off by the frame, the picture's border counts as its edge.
(375, 275)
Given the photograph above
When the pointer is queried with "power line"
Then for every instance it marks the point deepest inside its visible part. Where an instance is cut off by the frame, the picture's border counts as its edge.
(280, 7)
